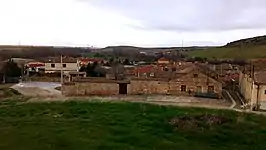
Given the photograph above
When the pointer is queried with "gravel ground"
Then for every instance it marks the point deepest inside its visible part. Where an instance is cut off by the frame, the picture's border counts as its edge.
(38, 89)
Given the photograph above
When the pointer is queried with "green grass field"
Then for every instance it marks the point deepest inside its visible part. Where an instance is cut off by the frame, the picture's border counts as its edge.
(106, 126)
(231, 52)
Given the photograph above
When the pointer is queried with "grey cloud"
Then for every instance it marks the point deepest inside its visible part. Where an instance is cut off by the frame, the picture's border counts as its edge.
(190, 15)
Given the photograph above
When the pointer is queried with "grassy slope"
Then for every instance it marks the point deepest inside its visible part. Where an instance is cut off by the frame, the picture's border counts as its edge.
(232, 52)
(83, 126)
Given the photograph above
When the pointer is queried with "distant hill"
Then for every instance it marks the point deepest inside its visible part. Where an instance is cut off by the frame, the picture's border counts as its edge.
(254, 41)
(249, 48)
(7, 51)
(147, 50)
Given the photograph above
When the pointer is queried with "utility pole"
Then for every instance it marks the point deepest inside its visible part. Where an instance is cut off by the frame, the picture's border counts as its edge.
(22, 72)
(62, 79)
(221, 70)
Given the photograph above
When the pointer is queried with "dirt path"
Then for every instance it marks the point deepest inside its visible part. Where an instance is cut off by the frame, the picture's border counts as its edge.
(155, 99)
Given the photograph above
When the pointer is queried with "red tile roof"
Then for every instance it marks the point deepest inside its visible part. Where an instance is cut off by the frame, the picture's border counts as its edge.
(163, 59)
(144, 69)
(35, 64)
(88, 60)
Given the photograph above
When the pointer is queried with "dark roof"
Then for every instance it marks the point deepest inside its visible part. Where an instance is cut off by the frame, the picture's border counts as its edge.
(58, 60)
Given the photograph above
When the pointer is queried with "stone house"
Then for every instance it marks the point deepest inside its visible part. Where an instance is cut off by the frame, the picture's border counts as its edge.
(163, 61)
(185, 83)
(35, 66)
(253, 89)
(85, 61)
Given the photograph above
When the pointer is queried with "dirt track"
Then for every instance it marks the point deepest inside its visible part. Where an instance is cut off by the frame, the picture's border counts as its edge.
(155, 99)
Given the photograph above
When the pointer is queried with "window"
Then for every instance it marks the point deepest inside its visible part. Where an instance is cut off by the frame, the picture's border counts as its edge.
(199, 89)
(173, 69)
(165, 69)
(183, 88)
(196, 75)
(52, 65)
(210, 89)
(64, 65)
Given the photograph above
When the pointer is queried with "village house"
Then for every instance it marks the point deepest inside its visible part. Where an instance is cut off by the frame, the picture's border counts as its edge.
(187, 81)
(2, 72)
(253, 89)
(163, 61)
(85, 61)
(35, 66)
(54, 65)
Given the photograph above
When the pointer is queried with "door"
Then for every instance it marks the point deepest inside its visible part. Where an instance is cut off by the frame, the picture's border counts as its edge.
(122, 88)
(199, 89)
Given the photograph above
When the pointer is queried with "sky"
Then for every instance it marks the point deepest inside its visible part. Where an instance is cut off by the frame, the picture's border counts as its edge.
(146, 23)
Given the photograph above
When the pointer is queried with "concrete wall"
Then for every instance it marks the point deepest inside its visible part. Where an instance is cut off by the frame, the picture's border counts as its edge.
(69, 67)
(88, 88)
(252, 92)
(259, 96)
(246, 86)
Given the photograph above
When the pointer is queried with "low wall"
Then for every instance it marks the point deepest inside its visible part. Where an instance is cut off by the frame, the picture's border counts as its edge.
(47, 79)
(89, 88)
(135, 87)
(147, 87)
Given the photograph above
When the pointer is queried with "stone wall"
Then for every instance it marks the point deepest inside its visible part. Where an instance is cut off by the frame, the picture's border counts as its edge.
(147, 87)
(47, 79)
(173, 87)
(193, 81)
(90, 88)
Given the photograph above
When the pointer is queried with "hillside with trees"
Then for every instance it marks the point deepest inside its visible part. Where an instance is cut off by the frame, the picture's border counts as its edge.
(35, 52)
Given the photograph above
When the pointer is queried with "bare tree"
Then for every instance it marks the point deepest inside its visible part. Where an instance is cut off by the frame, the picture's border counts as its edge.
(118, 71)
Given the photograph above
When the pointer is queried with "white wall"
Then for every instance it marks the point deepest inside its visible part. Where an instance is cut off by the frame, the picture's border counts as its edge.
(252, 93)
(69, 67)
(262, 96)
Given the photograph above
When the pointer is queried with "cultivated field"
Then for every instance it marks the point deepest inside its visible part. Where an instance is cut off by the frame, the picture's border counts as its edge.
(121, 125)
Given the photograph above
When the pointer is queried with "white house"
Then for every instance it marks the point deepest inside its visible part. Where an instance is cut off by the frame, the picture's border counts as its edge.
(254, 89)
(53, 65)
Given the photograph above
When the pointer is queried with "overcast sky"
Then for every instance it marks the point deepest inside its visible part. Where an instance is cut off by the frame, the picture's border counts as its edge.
(146, 23)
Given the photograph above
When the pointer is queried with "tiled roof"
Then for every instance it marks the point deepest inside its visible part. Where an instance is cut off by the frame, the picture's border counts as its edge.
(90, 59)
(35, 64)
(58, 60)
(144, 69)
(163, 59)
